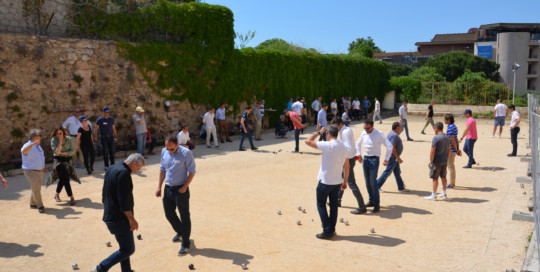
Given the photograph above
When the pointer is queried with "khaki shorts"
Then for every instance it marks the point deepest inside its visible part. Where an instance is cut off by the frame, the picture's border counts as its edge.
(439, 171)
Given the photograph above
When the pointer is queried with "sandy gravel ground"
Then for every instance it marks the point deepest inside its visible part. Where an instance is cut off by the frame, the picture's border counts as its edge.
(235, 196)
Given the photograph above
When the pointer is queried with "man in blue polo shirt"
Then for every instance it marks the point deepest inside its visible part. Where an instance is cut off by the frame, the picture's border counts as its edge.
(107, 133)
(177, 171)
(365, 107)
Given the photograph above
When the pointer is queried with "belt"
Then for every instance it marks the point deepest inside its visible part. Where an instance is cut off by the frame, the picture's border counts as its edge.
(371, 157)
(174, 188)
(33, 170)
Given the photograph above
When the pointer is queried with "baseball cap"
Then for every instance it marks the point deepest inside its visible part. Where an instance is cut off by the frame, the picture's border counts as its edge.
(106, 109)
(83, 118)
(139, 109)
(467, 111)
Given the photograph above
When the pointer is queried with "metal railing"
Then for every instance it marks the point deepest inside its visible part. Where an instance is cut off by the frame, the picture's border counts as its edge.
(470, 93)
(534, 143)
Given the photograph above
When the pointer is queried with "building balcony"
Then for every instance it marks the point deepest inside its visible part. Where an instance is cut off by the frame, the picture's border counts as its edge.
(534, 42)
(532, 58)
(532, 74)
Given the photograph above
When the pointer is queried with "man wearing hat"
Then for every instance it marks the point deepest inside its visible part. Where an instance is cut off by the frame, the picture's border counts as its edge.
(140, 130)
(107, 133)
(471, 136)
(72, 125)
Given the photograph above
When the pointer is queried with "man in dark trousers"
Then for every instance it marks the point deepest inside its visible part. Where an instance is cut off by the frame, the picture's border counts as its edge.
(118, 211)
(107, 135)
(177, 170)
(429, 117)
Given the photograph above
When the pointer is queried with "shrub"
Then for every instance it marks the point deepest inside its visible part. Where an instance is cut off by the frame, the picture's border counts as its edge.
(409, 87)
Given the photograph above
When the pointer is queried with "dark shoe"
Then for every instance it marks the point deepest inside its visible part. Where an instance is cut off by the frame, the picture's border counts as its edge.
(376, 209)
(254, 148)
(41, 209)
(258, 139)
(222, 141)
(511, 155)
(323, 235)
(183, 251)
(33, 206)
(228, 140)
(296, 151)
(209, 146)
(369, 204)
(91, 168)
(89, 172)
(474, 162)
(423, 132)
(467, 166)
(359, 211)
(242, 149)
(72, 202)
(177, 238)
(410, 139)
(57, 198)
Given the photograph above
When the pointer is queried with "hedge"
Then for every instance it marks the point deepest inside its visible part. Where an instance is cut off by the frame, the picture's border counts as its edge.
(186, 51)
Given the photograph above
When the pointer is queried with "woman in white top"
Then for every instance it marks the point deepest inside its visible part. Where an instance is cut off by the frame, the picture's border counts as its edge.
(333, 107)
(183, 138)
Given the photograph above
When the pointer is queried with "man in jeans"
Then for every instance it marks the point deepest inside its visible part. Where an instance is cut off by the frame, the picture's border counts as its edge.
(222, 123)
(346, 136)
(334, 163)
(440, 151)
(403, 119)
(177, 170)
(371, 140)
(365, 107)
(298, 126)
(514, 129)
(140, 130)
(395, 160)
(246, 128)
(258, 121)
(471, 135)
(429, 116)
(107, 131)
(499, 112)
(118, 215)
(322, 121)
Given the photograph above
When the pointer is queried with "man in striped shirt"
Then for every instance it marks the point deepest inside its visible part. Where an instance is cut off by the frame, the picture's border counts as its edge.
(452, 133)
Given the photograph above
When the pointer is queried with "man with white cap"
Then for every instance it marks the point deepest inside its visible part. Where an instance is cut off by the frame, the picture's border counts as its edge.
(140, 130)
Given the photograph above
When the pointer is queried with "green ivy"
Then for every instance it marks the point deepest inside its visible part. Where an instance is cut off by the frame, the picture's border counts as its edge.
(186, 52)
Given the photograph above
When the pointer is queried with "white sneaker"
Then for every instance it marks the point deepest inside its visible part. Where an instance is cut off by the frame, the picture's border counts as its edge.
(442, 196)
(94, 269)
(431, 197)
(405, 190)
(492, 136)
(381, 191)
(499, 136)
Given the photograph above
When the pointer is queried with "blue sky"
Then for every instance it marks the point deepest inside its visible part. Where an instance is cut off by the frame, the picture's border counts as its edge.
(329, 26)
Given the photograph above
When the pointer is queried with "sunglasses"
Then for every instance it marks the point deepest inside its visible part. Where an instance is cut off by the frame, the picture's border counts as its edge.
(172, 149)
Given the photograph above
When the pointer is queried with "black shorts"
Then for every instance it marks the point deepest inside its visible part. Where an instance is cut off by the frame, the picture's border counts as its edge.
(439, 171)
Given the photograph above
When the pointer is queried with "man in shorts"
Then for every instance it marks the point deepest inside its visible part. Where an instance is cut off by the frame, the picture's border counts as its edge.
(440, 151)
(500, 112)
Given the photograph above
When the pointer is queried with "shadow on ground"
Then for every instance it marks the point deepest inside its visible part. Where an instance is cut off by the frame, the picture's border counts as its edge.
(489, 168)
(412, 192)
(12, 250)
(467, 200)
(236, 257)
(476, 189)
(84, 203)
(65, 213)
(372, 239)
(397, 211)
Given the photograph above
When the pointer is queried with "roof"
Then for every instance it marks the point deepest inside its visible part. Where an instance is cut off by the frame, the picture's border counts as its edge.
(392, 54)
(511, 26)
(458, 38)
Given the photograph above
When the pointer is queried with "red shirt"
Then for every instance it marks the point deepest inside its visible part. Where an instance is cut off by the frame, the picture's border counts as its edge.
(294, 115)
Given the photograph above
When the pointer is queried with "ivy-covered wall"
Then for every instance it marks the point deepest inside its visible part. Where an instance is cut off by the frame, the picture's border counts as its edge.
(186, 51)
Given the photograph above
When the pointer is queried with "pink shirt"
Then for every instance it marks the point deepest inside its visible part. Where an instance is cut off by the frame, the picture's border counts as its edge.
(294, 115)
(471, 134)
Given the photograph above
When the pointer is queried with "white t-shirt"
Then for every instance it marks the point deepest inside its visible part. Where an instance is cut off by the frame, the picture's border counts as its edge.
(333, 105)
(183, 138)
(334, 154)
(403, 112)
(500, 110)
(345, 117)
(515, 116)
(346, 136)
(372, 144)
(208, 120)
(377, 106)
(297, 107)
(72, 124)
(356, 104)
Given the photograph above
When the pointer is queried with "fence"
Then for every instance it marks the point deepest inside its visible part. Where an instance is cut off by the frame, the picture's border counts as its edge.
(470, 93)
(534, 142)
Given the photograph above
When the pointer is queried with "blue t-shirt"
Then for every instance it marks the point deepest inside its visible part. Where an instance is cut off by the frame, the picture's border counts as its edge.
(322, 118)
(452, 130)
(105, 125)
(365, 103)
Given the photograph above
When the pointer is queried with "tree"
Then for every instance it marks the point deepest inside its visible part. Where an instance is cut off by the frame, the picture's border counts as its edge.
(397, 70)
(427, 74)
(244, 39)
(361, 41)
(409, 87)
(469, 76)
(362, 51)
(452, 65)
(283, 46)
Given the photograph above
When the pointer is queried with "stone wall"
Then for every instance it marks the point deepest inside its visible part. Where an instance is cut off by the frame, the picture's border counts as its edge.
(43, 79)
(25, 16)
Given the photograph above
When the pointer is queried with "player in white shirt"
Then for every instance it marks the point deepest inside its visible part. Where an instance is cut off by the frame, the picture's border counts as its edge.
(333, 107)
(208, 122)
(298, 106)
(372, 140)
(377, 111)
(184, 139)
(499, 113)
(356, 109)
(72, 125)
(403, 119)
(514, 129)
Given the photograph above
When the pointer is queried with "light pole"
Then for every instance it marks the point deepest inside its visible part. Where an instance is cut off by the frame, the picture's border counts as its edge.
(515, 67)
